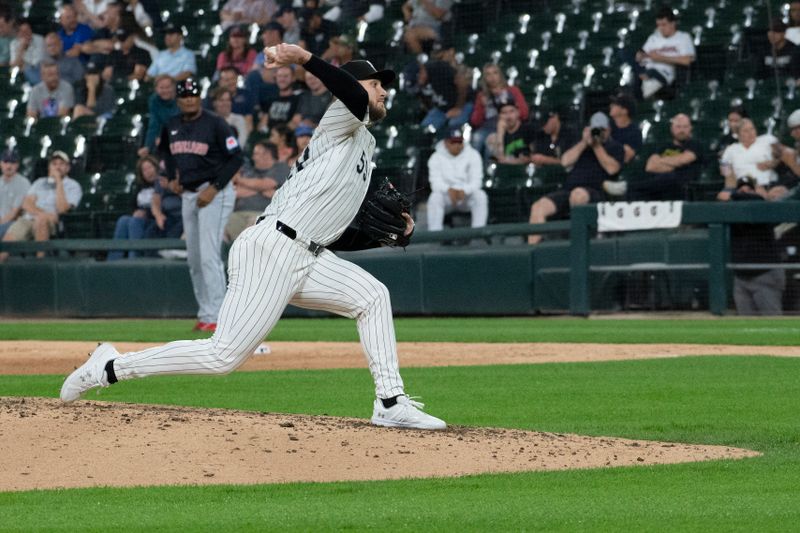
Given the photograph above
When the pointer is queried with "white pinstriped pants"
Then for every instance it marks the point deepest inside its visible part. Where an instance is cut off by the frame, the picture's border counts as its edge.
(267, 271)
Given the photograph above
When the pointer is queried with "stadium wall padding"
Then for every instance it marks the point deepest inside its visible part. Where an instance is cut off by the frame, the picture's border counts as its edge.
(446, 280)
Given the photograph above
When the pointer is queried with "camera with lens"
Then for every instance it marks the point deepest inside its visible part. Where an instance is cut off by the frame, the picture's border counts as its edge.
(597, 133)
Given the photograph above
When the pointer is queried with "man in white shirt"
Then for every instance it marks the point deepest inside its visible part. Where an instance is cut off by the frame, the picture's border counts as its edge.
(13, 188)
(752, 156)
(455, 172)
(47, 199)
(664, 49)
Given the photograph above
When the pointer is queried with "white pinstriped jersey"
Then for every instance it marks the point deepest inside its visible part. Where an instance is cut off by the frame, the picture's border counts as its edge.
(326, 186)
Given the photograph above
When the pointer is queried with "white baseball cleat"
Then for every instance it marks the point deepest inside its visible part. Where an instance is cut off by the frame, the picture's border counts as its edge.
(90, 374)
(405, 413)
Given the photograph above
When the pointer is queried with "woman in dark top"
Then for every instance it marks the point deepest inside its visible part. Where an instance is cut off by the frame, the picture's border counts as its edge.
(142, 218)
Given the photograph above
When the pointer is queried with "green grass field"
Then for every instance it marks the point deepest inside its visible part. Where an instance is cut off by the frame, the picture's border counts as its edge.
(751, 402)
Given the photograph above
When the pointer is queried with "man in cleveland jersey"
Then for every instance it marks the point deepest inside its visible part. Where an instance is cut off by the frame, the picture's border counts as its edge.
(202, 154)
(284, 258)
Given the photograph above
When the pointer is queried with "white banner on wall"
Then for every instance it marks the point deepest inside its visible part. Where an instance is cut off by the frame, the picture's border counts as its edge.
(629, 216)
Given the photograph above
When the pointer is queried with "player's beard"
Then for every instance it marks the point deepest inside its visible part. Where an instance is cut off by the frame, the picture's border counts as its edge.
(376, 112)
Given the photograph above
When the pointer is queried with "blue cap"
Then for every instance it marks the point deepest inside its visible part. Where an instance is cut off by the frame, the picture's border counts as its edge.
(303, 130)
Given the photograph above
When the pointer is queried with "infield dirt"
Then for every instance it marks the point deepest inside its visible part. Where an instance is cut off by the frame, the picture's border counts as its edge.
(46, 444)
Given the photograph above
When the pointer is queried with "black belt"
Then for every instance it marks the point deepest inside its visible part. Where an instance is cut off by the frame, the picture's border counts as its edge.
(313, 247)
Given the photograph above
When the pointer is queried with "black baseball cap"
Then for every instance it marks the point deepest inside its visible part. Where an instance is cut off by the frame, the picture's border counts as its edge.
(188, 87)
(364, 70)
(122, 34)
(172, 28)
(10, 155)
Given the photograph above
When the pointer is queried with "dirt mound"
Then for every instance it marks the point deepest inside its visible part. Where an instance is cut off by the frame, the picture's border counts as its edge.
(46, 444)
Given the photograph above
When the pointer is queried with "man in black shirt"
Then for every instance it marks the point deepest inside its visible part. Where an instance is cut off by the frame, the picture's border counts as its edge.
(669, 170)
(202, 155)
(595, 158)
(126, 61)
(624, 129)
(282, 109)
(552, 140)
(782, 55)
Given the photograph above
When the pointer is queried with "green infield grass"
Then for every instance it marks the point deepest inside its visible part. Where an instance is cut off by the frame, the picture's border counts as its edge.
(750, 402)
(734, 330)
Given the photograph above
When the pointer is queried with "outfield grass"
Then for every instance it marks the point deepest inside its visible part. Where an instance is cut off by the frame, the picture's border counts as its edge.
(750, 402)
(734, 330)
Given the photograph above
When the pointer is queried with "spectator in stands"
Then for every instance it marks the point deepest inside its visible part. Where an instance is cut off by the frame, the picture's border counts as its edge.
(100, 46)
(510, 144)
(367, 10)
(223, 103)
(287, 18)
(27, 48)
(176, 60)
(238, 12)
(341, 49)
(161, 106)
(47, 199)
(424, 20)
(271, 35)
(455, 172)
(13, 188)
(552, 140)
(783, 56)
(90, 12)
(127, 61)
(669, 171)
(442, 96)
(238, 53)
(313, 103)
(495, 90)
(665, 49)
(283, 139)
(793, 31)
(624, 129)
(93, 96)
(317, 32)
(145, 13)
(594, 159)
(282, 109)
(257, 182)
(70, 68)
(752, 156)
(139, 223)
(731, 129)
(72, 33)
(243, 103)
(6, 34)
(302, 136)
(167, 208)
(755, 292)
(788, 156)
(51, 97)
(260, 81)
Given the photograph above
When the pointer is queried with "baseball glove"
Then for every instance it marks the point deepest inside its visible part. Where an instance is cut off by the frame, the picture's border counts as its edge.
(381, 217)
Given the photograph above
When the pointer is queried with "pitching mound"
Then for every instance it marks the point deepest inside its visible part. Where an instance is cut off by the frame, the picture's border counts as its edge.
(46, 444)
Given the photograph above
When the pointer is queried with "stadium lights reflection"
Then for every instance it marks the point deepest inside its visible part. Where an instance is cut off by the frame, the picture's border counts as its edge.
(524, 19)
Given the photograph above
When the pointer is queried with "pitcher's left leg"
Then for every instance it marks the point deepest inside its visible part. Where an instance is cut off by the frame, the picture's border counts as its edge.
(341, 287)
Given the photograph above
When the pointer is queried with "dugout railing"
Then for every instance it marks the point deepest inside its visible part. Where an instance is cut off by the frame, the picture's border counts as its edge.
(716, 216)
